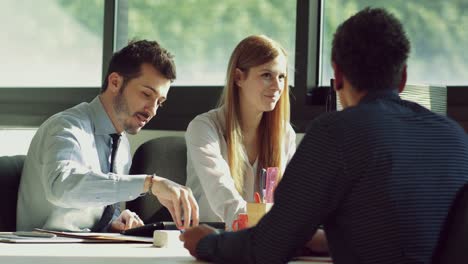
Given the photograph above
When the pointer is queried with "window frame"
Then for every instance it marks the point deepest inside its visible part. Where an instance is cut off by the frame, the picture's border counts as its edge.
(30, 106)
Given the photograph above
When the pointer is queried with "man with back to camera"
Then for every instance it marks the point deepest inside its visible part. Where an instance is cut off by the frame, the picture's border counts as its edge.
(78, 161)
(379, 175)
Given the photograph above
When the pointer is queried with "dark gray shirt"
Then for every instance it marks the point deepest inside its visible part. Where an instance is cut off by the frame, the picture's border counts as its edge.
(380, 177)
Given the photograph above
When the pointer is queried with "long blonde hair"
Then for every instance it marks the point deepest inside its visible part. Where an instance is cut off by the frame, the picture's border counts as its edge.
(254, 51)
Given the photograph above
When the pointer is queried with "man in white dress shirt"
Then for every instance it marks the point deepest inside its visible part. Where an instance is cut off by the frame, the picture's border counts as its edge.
(68, 182)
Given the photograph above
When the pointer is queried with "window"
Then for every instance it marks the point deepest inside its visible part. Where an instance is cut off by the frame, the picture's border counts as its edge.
(203, 33)
(436, 29)
(51, 43)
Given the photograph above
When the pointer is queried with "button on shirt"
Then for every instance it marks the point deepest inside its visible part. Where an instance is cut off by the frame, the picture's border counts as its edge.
(66, 182)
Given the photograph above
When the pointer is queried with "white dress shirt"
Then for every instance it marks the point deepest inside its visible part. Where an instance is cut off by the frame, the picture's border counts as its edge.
(208, 173)
(66, 182)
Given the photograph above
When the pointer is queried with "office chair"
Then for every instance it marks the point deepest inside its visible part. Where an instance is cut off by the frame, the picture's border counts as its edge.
(10, 175)
(452, 246)
(167, 157)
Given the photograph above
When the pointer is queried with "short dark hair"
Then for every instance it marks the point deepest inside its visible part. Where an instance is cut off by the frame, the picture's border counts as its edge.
(371, 49)
(127, 62)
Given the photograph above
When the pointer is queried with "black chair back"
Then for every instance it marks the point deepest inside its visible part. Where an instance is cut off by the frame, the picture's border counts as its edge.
(167, 157)
(10, 175)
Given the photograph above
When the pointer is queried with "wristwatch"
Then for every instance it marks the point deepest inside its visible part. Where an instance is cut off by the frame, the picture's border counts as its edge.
(151, 184)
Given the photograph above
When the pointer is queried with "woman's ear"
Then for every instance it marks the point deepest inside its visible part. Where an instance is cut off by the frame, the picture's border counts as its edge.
(239, 77)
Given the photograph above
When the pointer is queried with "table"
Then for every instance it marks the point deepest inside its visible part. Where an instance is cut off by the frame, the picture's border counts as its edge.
(95, 253)
(112, 253)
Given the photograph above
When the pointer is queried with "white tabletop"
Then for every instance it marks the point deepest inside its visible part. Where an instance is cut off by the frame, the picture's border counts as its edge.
(95, 253)
(89, 253)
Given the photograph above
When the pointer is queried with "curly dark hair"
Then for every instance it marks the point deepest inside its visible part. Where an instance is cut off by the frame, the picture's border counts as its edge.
(371, 49)
(127, 62)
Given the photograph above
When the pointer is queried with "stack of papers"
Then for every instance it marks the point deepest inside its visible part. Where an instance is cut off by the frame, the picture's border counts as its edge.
(9, 237)
(69, 237)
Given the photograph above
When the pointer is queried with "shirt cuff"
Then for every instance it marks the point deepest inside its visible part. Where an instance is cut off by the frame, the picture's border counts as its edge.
(130, 186)
(206, 247)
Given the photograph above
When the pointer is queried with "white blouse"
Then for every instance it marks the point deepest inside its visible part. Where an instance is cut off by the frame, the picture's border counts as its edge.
(208, 173)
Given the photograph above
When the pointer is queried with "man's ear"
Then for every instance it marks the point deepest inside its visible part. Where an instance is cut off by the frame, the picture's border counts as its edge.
(114, 82)
(239, 77)
(404, 76)
(338, 77)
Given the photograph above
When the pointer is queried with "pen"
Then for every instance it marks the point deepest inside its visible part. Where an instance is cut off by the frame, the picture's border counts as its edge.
(33, 234)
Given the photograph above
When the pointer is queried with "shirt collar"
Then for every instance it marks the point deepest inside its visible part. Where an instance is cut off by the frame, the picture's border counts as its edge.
(382, 94)
(102, 123)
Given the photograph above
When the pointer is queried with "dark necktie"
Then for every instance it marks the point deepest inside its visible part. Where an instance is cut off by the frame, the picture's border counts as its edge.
(109, 209)
(115, 147)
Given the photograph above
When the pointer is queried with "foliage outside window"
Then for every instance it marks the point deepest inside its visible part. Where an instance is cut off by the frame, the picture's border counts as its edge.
(51, 43)
(436, 29)
(203, 33)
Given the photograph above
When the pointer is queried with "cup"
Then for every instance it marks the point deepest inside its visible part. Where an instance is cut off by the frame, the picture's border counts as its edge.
(256, 211)
(241, 222)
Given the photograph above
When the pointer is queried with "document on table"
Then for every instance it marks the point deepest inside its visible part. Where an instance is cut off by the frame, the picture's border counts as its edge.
(9, 237)
(99, 237)
(70, 237)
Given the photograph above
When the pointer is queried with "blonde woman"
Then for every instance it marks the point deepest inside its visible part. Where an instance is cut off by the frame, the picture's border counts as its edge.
(250, 130)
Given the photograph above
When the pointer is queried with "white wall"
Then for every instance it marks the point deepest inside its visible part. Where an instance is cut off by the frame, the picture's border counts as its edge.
(15, 141)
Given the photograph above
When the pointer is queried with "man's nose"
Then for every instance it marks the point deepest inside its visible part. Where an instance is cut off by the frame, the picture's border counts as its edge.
(152, 108)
